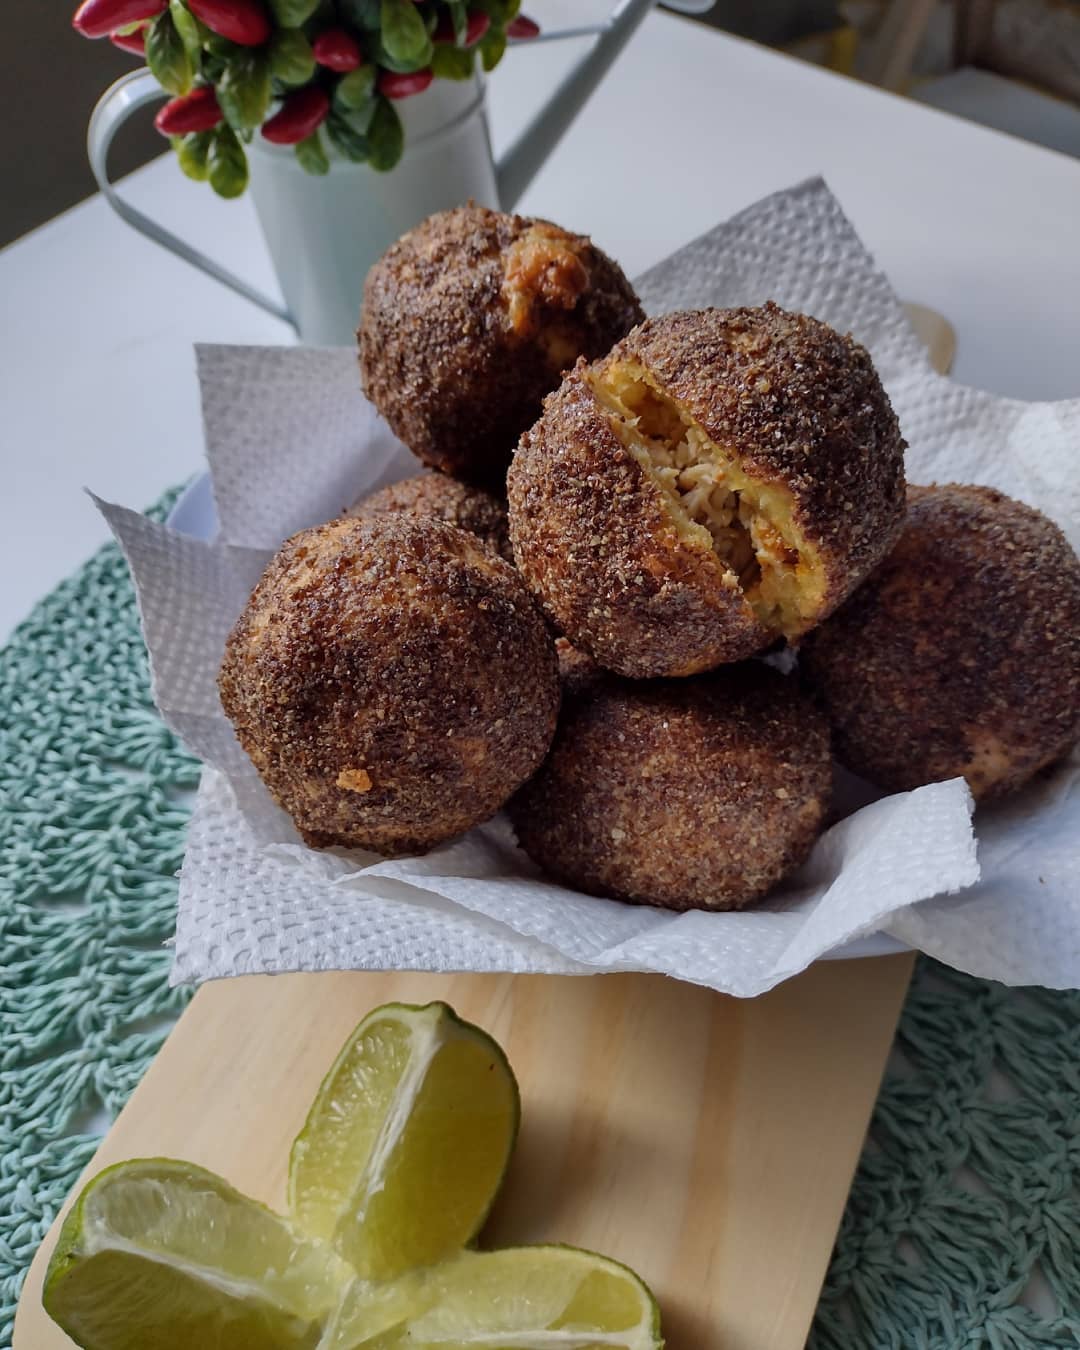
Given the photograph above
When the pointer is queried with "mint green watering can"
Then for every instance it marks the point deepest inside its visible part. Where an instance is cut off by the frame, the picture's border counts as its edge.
(324, 233)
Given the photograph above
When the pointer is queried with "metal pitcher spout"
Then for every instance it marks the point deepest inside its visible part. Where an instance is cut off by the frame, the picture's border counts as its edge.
(521, 162)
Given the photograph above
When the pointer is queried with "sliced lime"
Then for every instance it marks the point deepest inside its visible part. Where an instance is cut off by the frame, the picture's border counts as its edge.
(407, 1141)
(524, 1298)
(163, 1254)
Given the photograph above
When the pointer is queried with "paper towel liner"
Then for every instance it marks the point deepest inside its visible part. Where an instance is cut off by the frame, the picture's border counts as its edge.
(291, 440)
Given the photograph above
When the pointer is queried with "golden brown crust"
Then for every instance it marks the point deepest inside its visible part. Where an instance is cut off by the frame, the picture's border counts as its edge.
(434, 496)
(594, 542)
(391, 681)
(961, 653)
(468, 321)
(592, 533)
(800, 404)
(577, 669)
(696, 794)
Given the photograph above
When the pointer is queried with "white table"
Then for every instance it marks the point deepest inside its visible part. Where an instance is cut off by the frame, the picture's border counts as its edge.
(96, 368)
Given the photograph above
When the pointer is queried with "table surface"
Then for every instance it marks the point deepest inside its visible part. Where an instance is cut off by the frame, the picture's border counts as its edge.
(96, 367)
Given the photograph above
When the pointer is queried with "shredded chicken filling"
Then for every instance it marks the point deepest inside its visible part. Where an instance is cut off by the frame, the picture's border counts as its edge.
(747, 523)
(543, 275)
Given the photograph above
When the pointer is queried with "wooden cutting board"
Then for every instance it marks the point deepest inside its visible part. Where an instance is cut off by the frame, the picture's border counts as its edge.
(706, 1141)
(709, 1142)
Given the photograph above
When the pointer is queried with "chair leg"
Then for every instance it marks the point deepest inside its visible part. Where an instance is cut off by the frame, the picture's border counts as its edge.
(893, 47)
(974, 22)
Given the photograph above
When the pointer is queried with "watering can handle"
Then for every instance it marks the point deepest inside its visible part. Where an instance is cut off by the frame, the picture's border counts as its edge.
(513, 174)
(116, 105)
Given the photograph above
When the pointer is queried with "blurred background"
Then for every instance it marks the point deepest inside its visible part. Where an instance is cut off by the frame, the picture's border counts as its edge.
(1011, 64)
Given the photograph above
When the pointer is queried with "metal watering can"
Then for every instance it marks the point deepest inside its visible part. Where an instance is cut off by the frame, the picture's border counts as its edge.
(324, 233)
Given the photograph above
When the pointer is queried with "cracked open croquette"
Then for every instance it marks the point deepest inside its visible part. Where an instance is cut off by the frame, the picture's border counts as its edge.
(960, 655)
(470, 319)
(721, 480)
(392, 682)
(434, 496)
(687, 794)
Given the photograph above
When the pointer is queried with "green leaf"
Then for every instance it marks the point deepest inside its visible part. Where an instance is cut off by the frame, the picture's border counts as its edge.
(312, 155)
(221, 46)
(365, 14)
(167, 56)
(459, 16)
(357, 89)
(492, 47)
(193, 154)
(386, 136)
(359, 119)
(404, 35)
(291, 57)
(452, 63)
(381, 57)
(499, 11)
(292, 13)
(192, 33)
(346, 139)
(244, 89)
(213, 67)
(228, 163)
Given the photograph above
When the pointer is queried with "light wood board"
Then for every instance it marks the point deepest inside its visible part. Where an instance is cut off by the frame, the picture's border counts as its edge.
(709, 1142)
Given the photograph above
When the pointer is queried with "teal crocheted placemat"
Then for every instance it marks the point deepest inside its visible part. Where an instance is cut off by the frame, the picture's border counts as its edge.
(963, 1226)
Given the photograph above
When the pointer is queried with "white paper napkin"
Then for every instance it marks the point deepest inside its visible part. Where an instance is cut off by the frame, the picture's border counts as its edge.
(291, 441)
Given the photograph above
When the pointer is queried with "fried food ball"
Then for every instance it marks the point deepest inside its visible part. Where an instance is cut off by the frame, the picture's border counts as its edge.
(961, 654)
(722, 479)
(577, 669)
(392, 682)
(434, 496)
(469, 320)
(696, 794)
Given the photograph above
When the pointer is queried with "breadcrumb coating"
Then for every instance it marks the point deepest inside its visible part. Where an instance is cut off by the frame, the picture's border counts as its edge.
(470, 319)
(722, 479)
(960, 656)
(434, 496)
(688, 794)
(392, 682)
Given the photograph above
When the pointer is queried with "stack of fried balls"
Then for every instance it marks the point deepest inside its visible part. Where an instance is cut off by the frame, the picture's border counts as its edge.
(563, 614)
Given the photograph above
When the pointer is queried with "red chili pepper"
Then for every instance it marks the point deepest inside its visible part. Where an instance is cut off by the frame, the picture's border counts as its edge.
(338, 50)
(477, 24)
(393, 85)
(197, 111)
(130, 42)
(301, 116)
(99, 18)
(522, 27)
(243, 21)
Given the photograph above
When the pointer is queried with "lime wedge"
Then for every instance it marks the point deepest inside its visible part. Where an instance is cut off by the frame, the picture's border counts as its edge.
(163, 1254)
(524, 1298)
(407, 1141)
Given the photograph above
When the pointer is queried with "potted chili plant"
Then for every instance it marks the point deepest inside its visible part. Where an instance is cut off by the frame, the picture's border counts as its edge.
(350, 120)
